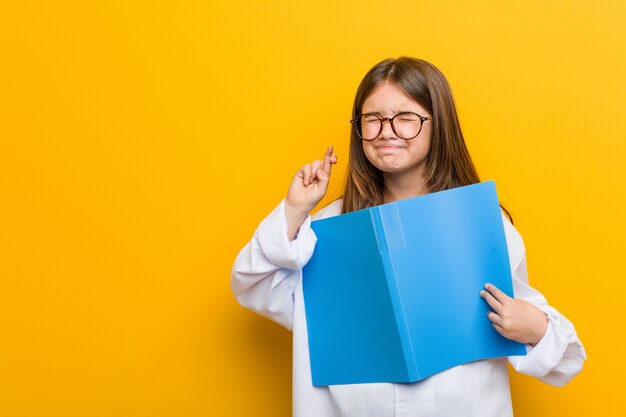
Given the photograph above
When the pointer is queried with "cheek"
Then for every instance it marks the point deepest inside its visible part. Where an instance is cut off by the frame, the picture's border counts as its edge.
(421, 147)
(426, 142)
(369, 152)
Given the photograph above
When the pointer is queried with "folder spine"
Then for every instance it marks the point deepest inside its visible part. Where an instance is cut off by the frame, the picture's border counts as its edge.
(383, 240)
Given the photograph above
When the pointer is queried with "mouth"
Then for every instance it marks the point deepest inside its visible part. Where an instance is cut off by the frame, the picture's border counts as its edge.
(389, 147)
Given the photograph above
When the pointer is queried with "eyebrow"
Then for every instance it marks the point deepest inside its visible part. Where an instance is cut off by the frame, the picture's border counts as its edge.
(377, 113)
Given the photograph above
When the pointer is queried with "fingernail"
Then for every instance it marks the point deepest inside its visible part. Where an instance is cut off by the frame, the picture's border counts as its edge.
(482, 293)
(487, 286)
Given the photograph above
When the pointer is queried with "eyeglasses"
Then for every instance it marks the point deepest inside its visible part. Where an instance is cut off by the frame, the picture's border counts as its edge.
(406, 125)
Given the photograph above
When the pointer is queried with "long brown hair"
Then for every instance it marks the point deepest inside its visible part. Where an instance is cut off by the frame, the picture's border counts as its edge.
(448, 163)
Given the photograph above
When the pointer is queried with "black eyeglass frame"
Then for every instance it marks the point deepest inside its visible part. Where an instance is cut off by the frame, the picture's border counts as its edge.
(382, 120)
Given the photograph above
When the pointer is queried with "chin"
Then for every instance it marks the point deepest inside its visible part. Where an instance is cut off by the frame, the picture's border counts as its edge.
(391, 169)
(397, 167)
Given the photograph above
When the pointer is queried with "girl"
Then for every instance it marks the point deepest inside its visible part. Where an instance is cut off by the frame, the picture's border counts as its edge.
(406, 141)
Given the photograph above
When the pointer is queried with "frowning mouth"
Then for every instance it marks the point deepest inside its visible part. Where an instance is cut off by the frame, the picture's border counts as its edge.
(389, 147)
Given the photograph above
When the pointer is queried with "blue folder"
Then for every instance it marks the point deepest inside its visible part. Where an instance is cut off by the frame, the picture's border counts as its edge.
(392, 292)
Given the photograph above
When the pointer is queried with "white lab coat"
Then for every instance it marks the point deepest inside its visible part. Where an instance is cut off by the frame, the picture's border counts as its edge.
(267, 278)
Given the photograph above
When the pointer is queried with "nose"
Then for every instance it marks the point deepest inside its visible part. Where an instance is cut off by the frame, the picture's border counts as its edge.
(387, 130)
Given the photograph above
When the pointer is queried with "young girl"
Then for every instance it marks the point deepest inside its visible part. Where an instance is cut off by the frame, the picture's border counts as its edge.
(406, 141)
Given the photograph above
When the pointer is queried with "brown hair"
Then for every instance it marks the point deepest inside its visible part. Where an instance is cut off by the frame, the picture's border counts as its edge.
(448, 163)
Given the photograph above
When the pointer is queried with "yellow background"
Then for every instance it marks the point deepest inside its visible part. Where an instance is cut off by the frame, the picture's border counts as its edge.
(143, 141)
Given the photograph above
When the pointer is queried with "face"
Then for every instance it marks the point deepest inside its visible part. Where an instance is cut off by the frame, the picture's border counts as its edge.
(388, 152)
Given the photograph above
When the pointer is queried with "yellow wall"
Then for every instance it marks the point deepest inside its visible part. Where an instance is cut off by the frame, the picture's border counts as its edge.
(141, 142)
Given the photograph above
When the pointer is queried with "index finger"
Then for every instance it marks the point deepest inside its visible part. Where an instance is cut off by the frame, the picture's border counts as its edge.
(329, 160)
(491, 300)
(498, 295)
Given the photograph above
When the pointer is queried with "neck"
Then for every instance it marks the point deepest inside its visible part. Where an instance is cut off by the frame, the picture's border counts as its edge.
(400, 186)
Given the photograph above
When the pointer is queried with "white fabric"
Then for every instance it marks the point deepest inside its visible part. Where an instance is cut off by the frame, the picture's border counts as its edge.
(267, 278)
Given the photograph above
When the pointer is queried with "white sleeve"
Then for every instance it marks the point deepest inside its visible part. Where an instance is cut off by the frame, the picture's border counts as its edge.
(268, 269)
(559, 355)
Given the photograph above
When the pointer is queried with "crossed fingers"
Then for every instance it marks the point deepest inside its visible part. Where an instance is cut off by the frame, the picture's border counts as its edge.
(319, 170)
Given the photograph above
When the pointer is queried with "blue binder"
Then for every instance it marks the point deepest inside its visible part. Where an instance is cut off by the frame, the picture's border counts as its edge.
(392, 292)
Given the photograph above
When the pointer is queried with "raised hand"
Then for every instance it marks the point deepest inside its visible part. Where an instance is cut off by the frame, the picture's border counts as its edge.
(515, 318)
(307, 189)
